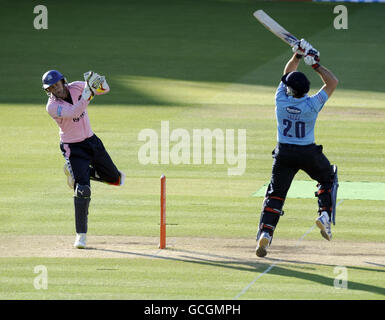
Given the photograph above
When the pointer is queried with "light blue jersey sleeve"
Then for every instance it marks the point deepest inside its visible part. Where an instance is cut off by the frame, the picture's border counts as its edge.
(318, 100)
(280, 94)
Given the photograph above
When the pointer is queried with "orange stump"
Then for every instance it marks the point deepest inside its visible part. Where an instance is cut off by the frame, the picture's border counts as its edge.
(162, 243)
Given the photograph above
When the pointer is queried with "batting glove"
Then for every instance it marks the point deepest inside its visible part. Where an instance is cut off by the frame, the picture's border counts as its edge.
(312, 59)
(302, 47)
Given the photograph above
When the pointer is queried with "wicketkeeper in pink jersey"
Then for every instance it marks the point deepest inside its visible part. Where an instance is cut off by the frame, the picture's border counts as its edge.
(86, 158)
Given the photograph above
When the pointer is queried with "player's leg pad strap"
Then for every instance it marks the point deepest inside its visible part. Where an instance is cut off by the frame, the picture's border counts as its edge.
(273, 204)
(270, 218)
(324, 197)
(271, 212)
(268, 222)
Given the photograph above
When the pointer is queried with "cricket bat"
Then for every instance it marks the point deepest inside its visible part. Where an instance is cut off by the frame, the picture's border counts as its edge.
(275, 28)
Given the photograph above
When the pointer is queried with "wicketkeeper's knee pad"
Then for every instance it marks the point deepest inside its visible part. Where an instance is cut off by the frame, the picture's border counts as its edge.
(82, 191)
(82, 200)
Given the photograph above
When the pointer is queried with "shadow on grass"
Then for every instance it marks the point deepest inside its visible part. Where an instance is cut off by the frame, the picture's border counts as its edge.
(328, 281)
(259, 267)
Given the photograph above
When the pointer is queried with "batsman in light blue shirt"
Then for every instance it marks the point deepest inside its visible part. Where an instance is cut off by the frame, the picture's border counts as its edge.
(296, 117)
(296, 114)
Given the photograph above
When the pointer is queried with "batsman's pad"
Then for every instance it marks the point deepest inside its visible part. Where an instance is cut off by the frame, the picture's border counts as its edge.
(334, 195)
(271, 212)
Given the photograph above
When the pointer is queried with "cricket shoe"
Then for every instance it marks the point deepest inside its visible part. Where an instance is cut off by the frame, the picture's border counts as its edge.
(80, 241)
(323, 222)
(122, 178)
(70, 179)
(120, 182)
(263, 243)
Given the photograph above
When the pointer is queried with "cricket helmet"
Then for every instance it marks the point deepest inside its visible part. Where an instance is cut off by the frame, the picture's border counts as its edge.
(51, 77)
(298, 84)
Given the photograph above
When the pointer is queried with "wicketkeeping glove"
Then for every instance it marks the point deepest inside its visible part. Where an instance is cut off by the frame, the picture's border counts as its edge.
(103, 86)
(312, 59)
(87, 93)
(93, 80)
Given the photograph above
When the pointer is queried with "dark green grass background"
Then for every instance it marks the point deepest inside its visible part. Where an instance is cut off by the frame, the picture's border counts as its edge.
(187, 40)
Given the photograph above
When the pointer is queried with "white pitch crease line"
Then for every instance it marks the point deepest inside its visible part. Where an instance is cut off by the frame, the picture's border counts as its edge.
(171, 243)
(274, 264)
(305, 234)
(252, 282)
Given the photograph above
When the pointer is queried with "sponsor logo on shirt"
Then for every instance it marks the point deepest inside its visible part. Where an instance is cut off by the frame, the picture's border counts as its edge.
(293, 110)
(59, 111)
(78, 119)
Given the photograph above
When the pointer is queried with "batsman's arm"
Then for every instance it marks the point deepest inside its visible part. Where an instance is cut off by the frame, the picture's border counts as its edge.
(328, 78)
(292, 64)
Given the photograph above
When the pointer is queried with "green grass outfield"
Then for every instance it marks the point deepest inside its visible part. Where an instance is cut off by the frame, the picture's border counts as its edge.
(197, 64)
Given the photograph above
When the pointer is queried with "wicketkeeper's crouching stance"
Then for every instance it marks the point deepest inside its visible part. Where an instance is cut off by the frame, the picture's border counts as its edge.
(296, 114)
(86, 158)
